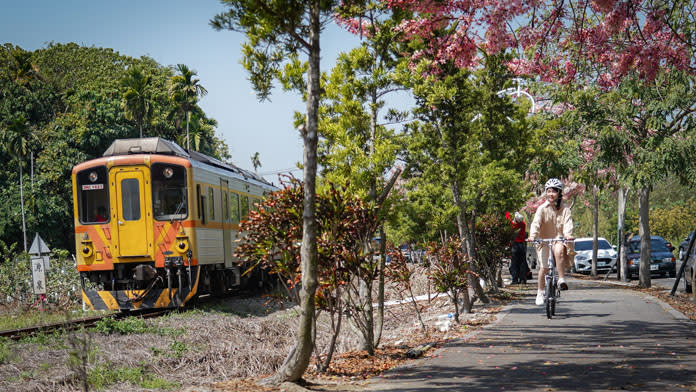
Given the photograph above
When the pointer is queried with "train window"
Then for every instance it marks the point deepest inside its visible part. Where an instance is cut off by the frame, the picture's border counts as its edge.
(93, 195)
(225, 207)
(245, 206)
(130, 199)
(234, 207)
(211, 208)
(200, 203)
(256, 204)
(169, 194)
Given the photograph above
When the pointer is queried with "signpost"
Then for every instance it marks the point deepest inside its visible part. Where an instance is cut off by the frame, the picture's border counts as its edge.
(39, 252)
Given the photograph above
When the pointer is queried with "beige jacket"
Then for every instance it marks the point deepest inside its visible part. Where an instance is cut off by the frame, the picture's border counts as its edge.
(551, 223)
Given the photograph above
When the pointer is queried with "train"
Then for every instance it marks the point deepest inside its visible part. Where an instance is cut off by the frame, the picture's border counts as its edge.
(155, 225)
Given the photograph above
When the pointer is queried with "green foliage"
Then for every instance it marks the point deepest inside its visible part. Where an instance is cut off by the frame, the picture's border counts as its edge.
(673, 223)
(494, 235)
(104, 375)
(7, 352)
(272, 236)
(65, 103)
(469, 143)
(178, 349)
(449, 269)
(16, 289)
(133, 325)
(127, 326)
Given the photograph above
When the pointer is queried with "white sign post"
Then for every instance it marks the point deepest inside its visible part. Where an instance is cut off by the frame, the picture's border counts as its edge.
(38, 275)
(39, 253)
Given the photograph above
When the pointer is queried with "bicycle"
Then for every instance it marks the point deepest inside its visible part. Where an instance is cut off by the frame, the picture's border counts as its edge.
(552, 292)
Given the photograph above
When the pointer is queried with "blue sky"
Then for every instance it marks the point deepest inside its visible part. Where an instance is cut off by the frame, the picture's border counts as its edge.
(177, 31)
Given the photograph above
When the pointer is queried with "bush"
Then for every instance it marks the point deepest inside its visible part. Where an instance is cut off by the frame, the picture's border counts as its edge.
(16, 287)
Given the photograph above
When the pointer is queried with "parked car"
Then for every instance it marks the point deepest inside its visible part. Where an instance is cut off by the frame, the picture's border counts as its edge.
(685, 244)
(606, 255)
(662, 261)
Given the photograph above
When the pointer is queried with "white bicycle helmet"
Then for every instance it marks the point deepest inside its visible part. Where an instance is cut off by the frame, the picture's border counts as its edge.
(554, 183)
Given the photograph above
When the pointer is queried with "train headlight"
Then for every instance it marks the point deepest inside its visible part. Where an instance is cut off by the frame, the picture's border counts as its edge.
(168, 172)
(93, 176)
(182, 246)
(87, 251)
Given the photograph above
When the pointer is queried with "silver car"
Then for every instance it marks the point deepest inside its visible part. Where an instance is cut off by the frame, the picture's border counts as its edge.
(606, 255)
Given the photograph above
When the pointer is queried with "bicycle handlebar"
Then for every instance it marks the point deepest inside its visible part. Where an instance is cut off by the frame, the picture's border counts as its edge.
(550, 240)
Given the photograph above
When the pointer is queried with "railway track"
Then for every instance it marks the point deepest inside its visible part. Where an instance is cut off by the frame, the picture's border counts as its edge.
(71, 325)
(88, 322)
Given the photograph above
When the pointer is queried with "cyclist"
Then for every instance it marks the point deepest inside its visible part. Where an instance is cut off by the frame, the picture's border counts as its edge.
(552, 220)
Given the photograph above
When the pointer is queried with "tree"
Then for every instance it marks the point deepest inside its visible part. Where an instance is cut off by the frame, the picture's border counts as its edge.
(276, 32)
(15, 137)
(256, 162)
(463, 142)
(357, 147)
(653, 136)
(136, 96)
(184, 90)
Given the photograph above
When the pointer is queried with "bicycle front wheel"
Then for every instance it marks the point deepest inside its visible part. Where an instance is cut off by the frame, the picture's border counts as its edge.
(548, 301)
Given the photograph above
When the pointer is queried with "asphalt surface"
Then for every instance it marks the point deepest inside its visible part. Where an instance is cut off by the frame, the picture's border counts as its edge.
(603, 338)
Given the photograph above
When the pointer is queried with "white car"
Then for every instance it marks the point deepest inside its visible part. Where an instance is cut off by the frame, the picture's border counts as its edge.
(606, 255)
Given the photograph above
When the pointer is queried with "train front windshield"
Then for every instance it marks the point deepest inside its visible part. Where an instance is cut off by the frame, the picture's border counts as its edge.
(169, 199)
(93, 195)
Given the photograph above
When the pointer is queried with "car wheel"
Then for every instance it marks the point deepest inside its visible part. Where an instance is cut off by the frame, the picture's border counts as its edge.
(673, 274)
(687, 287)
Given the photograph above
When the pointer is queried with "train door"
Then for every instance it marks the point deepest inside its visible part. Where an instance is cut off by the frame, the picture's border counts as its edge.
(130, 205)
(226, 233)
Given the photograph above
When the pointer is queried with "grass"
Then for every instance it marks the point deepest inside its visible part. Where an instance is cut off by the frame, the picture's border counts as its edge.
(133, 325)
(6, 351)
(16, 319)
(106, 374)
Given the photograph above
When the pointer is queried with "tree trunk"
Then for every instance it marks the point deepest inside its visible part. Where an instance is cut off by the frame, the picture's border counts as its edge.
(462, 230)
(380, 287)
(471, 244)
(297, 361)
(623, 261)
(188, 143)
(21, 201)
(644, 231)
(595, 224)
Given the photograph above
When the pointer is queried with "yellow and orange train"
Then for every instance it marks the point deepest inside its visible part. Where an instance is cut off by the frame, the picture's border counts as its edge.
(155, 224)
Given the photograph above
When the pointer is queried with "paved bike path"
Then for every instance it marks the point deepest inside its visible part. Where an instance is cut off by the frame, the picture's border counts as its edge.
(602, 338)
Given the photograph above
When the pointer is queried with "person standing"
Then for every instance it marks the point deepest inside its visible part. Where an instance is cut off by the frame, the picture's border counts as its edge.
(552, 220)
(518, 262)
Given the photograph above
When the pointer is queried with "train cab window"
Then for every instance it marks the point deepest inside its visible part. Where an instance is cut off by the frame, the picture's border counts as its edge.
(169, 193)
(130, 199)
(245, 206)
(211, 208)
(93, 195)
(234, 208)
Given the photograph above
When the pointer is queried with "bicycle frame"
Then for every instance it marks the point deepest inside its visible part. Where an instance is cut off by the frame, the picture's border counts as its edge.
(551, 290)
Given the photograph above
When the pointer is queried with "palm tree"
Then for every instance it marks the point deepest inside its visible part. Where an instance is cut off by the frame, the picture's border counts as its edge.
(184, 90)
(256, 162)
(15, 136)
(136, 96)
(22, 70)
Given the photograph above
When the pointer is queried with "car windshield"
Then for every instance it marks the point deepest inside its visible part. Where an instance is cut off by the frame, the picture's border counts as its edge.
(587, 245)
(656, 245)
